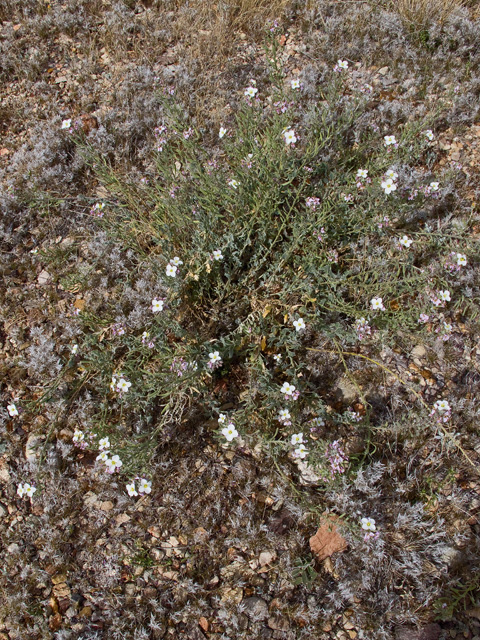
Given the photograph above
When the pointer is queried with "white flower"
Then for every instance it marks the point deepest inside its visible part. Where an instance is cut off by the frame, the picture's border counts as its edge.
(461, 259)
(230, 432)
(222, 132)
(442, 406)
(78, 436)
(145, 486)
(389, 140)
(388, 186)
(176, 261)
(284, 415)
(171, 270)
(123, 385)
(362, 173)
(251, 92)
(299, 324)
(377, 303)
(434, 186)
(66, 124)
(277, 357)
(29, 489)
(233, 183)
(393, 175)
(113, 383)
(157, 305)
(405, 241)
(131, 489)
(26, 489)
(301, 452)
(368, 524)
(290, 137)
(342, 64)
(113, 463)
(214, 356)
(429, 134)
(104, 443)
(444, 295)
(295, 83)
(222, 419)
(297, 438)
(288, 389)
(217, 255)
(74, 349)
(103, 456)
(12, 410)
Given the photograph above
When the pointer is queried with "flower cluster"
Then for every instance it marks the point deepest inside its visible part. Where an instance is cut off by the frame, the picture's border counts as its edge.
(289, 391)
(229, 431)
(157, 305)
(146, 339)
(404, 241)
(284, 417)
(26, 489)
(180, 366)
(12, 410)
(118, 329)
(97, 210)
(440, 298)
(251, 91)
(215, 361)
(312, 203)
(79, 439)
(336, 457)
(362, 328)
(388, 182)
(144, 486)
(377, 304)
(160, 135)
(368, 525)
(300, 451)
(120, 384)
(172, 267)
(445, 330)
(442, 410)
(455, 261)
(290, 137)
(342, 65)
(299, 324)
(390, 141)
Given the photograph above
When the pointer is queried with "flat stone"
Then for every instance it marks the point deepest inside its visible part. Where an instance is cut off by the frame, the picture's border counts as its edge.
(256, 608)
(44, 277)
(327, 540)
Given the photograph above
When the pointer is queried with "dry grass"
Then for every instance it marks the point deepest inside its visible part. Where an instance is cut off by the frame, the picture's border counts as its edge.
(419, 14)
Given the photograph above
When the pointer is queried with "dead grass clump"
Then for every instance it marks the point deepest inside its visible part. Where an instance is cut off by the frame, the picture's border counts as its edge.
(420, 14)
(215, 28)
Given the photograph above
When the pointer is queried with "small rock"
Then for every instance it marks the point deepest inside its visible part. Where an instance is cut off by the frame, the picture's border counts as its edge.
(203, 623)
(44, 277)
(256, 608)
(231, 596)
(106, 506)
(32, 447)
(347, 390)
(266, 557)
(383, 71)
(308, 477)
(278, 624)
(122, 518)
